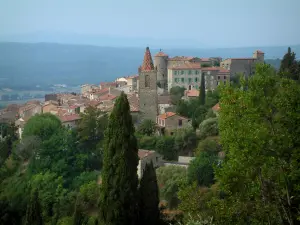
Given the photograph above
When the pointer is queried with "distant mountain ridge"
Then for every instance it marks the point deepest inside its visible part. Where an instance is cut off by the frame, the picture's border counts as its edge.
(24, 65)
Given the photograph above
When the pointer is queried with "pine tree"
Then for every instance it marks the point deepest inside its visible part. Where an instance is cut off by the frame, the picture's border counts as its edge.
(34, 211)
(118, 197)
(289, 66)
(202, 91)
(149, 200)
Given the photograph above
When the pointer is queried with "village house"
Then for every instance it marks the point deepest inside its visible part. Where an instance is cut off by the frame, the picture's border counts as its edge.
(187, 75)
(190, 94)
(71, 121)
(245, 66)
(88, 87)
(170, 121)
(29, 110)
(215, 76)
(49, 106)
(145, 157)
(164, 102)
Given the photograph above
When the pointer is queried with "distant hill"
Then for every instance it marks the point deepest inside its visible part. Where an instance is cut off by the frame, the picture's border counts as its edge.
(25, 65)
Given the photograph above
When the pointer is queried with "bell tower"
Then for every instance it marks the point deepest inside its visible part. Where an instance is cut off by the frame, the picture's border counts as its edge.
(148, 88)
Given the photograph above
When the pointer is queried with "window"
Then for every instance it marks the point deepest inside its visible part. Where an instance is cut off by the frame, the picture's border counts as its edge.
(224, 81)
(196, 72)
(196, 79)
(147, 81)
(190, 72)
(218, 77)
(182, 80)
(218, 82)
(179, 123)
(197, 87)
(182, 72)
(190, 80)
(175, 72)
(176, 80)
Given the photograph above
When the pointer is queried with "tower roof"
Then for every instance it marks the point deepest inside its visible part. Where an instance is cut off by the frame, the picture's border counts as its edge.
(161, 54)
(147, 63)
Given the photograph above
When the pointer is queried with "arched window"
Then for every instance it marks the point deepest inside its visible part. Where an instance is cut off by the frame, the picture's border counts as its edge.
(147, 81)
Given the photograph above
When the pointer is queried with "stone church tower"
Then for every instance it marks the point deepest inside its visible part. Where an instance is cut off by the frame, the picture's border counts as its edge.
(148, 88)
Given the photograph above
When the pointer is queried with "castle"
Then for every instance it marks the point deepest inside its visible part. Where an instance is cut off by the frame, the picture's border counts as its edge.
(165, 73)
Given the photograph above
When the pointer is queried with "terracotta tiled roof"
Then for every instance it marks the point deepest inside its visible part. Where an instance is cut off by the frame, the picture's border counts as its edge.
(101, 91)
(205, 60)
(144, 153)
(69, 118)
(219, 69)
(181, 58)
(147, 63)
(27, 107)
(216, 107)
(161, 54)
(131, 77)
(166, 115)
(187, 66)
(93, 103)
(243, 58)
(192, 93)
(107, 97)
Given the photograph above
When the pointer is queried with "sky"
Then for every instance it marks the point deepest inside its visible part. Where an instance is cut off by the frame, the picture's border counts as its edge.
(217, 23)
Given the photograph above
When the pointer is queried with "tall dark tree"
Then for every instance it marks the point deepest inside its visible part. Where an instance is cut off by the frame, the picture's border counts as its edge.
(202, 90)
(149, 200)
(119, 192)
(78, 217)
(34, 211)
(289, 66)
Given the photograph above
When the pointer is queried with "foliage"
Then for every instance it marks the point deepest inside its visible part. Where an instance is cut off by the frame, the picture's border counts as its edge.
(185, 141)
(202, 90)
(201, 169)
(147, 127)
(7, 138)
(169, 180)
(176, 94)
(33, 213)
(199, 221)
(165, 147)
(149, 197)
(259, 130)
(118, 197)
(209, 127)
(210, 145)
(91, 129)
(28, 147)
(147, 142)
(289, 67)
(42, 126)
(199, 116)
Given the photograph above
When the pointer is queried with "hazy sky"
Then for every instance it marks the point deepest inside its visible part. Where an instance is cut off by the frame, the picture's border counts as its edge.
(220, 23)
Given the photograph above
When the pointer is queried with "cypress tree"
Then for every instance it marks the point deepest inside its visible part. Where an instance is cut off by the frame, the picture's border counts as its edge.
(34, 211)
(202, 90)
(118, 197)
(149, 200)
(78, 217)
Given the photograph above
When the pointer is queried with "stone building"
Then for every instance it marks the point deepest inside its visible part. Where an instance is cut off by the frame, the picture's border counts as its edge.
(148, 88)
(171, 121)
(187, 75)
(244, 66)
(161, 63)
(146, 157)
(215, 76)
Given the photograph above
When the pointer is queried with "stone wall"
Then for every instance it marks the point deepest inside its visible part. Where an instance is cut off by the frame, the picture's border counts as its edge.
(148, 94)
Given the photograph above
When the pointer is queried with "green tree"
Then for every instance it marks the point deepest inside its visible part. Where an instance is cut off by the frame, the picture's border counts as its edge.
(149, 197)
(201, 169)
(147, 127)
(289, 67)
(91, 129)
(7, 138)
(176, 94)
(210, 145)
(199, 116)
(170, 178)
(209, 127)
(34, 211)
(202, 90)
(79, 218)
(165, 147)
(42, 126)
(259, 129)
(118, 195)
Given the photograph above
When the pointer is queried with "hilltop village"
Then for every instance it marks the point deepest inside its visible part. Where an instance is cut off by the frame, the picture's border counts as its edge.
(148, 91)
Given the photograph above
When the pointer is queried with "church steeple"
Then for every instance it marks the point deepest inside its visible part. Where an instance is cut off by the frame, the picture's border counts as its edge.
(147, 63)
